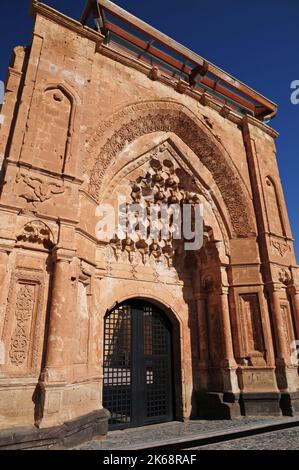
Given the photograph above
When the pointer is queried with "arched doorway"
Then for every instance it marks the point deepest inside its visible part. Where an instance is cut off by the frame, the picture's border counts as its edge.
(138, 376)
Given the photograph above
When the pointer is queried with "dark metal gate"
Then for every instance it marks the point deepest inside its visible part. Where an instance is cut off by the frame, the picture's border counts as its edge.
(137, 365)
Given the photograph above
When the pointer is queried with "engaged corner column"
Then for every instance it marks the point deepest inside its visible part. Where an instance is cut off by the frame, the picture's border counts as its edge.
(4, 254)
(4, 257)
(3, 263)
(202, 329)
(229, 358)
(294, 296)
(283, 354)
(60, 323)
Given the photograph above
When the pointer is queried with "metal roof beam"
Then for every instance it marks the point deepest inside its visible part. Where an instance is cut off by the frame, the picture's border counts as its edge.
(107, 5)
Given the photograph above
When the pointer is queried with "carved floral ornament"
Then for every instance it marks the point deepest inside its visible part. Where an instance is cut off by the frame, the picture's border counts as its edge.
(25, 298)
(38, 190)
(285, 277)
(37, 232)
(140, 119)
(280, 247)
(23, 313)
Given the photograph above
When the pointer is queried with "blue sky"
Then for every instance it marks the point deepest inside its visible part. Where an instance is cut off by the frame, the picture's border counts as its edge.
(254, 40)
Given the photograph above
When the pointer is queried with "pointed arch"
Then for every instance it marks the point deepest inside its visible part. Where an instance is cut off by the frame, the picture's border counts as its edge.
(126, 125)
(169, 146)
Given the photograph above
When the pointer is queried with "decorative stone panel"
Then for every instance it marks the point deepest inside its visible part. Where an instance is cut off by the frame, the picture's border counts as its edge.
(52, 138)
(24, 324)
(288, 326)
(252, 339)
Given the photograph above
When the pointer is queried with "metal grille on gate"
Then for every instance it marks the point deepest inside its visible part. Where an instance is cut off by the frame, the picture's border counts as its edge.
(137, 365)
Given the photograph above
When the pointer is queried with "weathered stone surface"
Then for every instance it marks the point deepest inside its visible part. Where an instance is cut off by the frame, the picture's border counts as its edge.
(83, 126)
(69, 435)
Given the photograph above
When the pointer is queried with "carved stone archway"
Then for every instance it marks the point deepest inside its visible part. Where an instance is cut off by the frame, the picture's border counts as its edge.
(162, 172)
(126, 125)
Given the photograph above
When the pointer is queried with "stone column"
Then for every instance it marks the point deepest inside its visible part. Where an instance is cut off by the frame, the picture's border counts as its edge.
(67, 391)
(229, 359)
(228, 364)
(202, 329)
(60, 324)
(203, 339)
(283, 354)
(3, 265)
(57, 372)
(286, 373)
(4, 256)
(294, 296)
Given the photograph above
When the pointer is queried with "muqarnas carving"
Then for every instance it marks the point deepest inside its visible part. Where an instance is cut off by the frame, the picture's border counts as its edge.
(168, 117)
(163, 185)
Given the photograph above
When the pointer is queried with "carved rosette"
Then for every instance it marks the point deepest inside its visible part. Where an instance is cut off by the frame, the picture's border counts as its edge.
(23, 313)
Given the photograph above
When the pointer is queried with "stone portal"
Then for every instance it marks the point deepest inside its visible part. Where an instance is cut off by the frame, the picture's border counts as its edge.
(88, 123)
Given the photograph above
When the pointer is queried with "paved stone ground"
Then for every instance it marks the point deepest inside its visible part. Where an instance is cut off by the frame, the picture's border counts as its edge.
(287, 439)
(167, 431)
